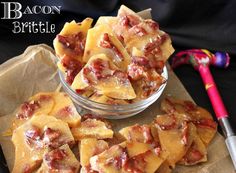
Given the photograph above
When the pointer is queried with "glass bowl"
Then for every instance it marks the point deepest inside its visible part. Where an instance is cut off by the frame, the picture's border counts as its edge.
(84, 105)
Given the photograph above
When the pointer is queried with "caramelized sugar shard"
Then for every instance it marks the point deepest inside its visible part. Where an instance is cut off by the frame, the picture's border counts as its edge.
(69, 47)
(133, 31)
(107, 20)
(101, 39)
(146, 85)
(138, 133)
(200, 117)
(110, 161)
(175, 135)
(102, 75)
(98, 66)
(147, 162)
(89, 147)
(143, 34)
(71, 40)
(197, 152)
(127, 19)
(156, 46)
(136, 148)
(41, 103)
(57, 104)
(70, 67)
(35, 138)
(61, 159)
(145, 74)
(65, 110)
(143, 149)
(92, 128)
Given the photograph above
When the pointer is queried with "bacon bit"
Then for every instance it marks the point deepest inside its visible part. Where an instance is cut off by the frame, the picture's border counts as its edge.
(193, 156)
(106, 43)
(74, 42)
(121, 76)
(57, 154)
(66, 111)
(141, 134)
(185, 133)
(121, 39)
(80, 91)
(169, 126)
(33, 133)
(98, 66)
(129, 20)
(205, 123)
(140, 31)
(51, 134)
(33, 137)
(142, 61)
(137, 164)
(118, 161)
(136, 72)
(125, 21)
(147, 134)
(152, 24)
(153, 48)
(98, 69)
(72, 66)
(50, 138)
(88, 169)
(152, 45)
(63, 40)
(148, 63)
(53, 157)
(45, 98)
(27, 109)
(164, 38)
(189, 106)
(85, 73)
(158, 65)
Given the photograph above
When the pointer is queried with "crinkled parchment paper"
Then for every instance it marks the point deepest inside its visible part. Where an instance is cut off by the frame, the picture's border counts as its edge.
(35, 71)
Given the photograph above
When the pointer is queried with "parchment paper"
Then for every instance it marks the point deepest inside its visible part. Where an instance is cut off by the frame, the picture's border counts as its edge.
(35, 71)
